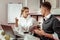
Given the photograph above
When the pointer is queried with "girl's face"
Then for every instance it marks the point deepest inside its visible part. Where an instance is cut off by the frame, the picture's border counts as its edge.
(26, 12)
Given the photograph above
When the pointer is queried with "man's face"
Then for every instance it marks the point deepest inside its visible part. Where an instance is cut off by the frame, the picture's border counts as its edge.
(43, 10)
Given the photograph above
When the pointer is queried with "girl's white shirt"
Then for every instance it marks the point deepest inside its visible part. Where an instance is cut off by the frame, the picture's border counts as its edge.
(26, 23)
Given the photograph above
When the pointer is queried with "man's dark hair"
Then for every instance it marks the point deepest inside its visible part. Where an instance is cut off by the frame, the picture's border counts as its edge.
(47, 5)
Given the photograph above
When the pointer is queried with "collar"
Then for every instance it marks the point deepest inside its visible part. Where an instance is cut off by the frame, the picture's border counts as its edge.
(47, 17)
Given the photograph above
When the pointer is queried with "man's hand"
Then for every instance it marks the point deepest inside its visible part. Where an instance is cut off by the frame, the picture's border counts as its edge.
(39, 32)
(42, 33)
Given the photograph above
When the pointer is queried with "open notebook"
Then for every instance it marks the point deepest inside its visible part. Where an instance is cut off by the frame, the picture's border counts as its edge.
(30, 37)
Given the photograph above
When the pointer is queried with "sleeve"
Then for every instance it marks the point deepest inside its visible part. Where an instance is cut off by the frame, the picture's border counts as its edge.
(56, 26)
(55, 36)
(18, 31)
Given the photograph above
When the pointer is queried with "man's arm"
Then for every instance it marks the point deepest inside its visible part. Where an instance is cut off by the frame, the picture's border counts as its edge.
(56, 27)
(48, 35)
(52, 36)
(42, 33)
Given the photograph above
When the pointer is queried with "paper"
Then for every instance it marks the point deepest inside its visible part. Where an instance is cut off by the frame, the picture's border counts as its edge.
(30, 37)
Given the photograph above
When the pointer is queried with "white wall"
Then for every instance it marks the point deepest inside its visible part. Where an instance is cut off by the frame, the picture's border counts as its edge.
(33, 5)
(3, 9)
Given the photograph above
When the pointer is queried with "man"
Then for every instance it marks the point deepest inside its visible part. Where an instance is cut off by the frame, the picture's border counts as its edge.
(50, 25)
